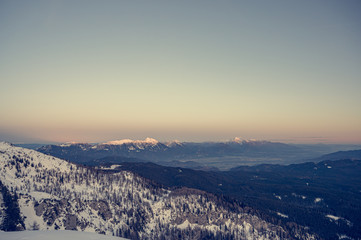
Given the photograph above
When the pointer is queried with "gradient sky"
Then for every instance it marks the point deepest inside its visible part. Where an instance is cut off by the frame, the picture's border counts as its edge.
(189, 70)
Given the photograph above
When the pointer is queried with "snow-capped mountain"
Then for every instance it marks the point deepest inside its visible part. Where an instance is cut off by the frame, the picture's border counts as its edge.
(242, 140)
(174, 143)
(149, 144)
(51, 194)
(147, 141)
(155, 151)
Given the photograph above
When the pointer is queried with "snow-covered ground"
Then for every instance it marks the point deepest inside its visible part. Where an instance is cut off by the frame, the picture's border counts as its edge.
(54, 235)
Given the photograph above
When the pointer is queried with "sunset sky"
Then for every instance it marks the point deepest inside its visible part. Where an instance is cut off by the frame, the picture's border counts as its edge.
(95, 71)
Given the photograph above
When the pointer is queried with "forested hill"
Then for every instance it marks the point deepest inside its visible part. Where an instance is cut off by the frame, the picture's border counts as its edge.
(325, 196)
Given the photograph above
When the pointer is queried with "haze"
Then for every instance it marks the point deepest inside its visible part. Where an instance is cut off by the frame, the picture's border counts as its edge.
(192, 70)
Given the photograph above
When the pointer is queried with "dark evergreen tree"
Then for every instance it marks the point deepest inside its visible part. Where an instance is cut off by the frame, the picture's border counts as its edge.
(13, 220)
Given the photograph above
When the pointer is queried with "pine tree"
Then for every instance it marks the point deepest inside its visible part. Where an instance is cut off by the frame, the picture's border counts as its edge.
(12, 221)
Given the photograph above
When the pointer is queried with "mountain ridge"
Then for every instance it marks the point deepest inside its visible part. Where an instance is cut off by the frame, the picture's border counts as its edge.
(351, 154)
(223, 155)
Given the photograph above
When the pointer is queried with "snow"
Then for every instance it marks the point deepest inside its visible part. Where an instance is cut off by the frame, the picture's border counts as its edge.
(299, 196)
(343, 236)
(277, 196)
(4, 146)
(241, 140)
(68, 144)
(184, 225)
(282, 215)
(238, 140)
(173, 143)
(54, 235)
(333, 217)
(27, 209)
(148, 140)
(42, 195)
(112, 167)
(336, 218)
(119, 142)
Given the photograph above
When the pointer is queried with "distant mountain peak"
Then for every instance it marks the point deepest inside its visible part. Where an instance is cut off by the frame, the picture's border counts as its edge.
(151, 140)
(148, 140)
(242, 140)
(173, 143)
(238, 140)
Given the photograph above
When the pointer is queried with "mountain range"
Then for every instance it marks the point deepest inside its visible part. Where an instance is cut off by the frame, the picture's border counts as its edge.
(353, 154)
(307, 193)
(43, 192)
(206, 155)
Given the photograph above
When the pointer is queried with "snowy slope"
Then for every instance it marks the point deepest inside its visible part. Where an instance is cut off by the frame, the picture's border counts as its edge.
(57, 195)
(54, 235)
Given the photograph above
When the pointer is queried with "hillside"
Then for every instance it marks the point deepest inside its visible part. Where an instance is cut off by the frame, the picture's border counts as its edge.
(324, 196)
(53, 194)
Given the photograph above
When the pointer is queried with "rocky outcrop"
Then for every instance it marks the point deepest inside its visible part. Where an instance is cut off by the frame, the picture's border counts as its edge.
(102, 208)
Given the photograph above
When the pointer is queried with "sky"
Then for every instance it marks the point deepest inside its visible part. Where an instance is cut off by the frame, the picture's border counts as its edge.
(93, 71)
